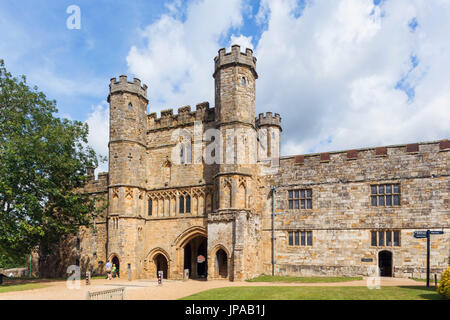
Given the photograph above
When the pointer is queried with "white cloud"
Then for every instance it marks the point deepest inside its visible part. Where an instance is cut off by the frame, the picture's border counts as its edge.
(177, 61)
(333, 72)
(98, 122)
(341, 73)
(243, 41)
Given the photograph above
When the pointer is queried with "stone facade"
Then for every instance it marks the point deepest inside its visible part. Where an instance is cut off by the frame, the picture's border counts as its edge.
(170, 208)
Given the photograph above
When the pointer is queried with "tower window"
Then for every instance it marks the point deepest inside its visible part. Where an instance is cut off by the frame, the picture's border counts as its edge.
(181, 204)
(188, 204)
(130, 106)
(243, 81)
(150, 207)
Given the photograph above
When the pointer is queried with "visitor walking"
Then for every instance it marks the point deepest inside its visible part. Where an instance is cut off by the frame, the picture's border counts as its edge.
(108, 268)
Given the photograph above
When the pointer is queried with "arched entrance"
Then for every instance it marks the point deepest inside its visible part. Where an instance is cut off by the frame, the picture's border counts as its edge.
(161, 265)
(221, 264)
(385, 263)
(115, 261)
(195, 253)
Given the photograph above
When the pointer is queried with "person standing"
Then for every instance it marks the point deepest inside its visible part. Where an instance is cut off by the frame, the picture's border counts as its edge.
(108, 268)
(114, 271)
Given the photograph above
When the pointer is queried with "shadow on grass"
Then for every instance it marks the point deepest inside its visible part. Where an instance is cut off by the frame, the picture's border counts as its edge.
(433, 295)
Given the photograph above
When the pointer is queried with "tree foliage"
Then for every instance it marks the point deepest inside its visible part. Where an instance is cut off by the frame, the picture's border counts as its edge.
(43, 164)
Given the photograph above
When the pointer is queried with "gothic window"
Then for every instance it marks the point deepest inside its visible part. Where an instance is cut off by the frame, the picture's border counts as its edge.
(130, 106)
(243, 81)
(385, 195)
(181, 207)
(188, 204)
(182, 160)
(300, 238)
(150, 207)
(300, 199)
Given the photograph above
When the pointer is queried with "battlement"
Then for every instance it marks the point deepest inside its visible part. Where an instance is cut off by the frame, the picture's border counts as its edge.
(268, 119)
(123, 85)
(184, 116)
(235, 57)
(370, 153)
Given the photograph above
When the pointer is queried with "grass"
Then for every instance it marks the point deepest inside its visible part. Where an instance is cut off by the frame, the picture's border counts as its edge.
(317, 293)
(21, 287)
(286, 279)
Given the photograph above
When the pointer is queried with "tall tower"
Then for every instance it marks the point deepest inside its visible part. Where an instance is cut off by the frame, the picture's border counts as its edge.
(235, 79)
(127, 154)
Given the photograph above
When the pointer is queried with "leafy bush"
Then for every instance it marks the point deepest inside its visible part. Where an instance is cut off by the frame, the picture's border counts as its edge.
(444, 286)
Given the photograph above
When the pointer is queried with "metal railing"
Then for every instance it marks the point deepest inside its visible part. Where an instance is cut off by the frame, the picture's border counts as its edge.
(111, 294)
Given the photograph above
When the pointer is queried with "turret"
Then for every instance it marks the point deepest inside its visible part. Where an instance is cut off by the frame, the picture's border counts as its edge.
(128, 125)
(235, 76)
(269, 134)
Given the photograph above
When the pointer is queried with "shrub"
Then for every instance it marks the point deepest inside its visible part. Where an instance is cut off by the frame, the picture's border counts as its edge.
(444, 286)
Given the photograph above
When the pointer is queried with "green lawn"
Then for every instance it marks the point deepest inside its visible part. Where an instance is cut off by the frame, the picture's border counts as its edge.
(317, 293)
(286, 279)
(21, 287)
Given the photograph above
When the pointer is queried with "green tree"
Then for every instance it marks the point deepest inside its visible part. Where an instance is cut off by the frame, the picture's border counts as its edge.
(43, 166)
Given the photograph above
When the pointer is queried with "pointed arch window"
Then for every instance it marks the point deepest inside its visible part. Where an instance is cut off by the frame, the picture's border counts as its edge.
(150, 207)
(188, 204)
(130, 106)
(181, 207)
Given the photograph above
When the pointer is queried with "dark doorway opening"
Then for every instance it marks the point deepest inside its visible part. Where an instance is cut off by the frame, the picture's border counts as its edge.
(188, 258)
(385, 263)
(161, 265)
(195, 257)
(115, 261)
(221, 264)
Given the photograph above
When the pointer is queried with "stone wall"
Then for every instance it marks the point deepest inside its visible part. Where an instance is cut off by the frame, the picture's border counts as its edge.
(342, 218)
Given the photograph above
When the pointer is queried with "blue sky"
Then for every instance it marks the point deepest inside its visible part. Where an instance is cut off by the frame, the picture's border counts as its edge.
(342, 74)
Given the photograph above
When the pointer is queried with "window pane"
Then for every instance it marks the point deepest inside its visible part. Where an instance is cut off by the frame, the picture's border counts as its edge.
(374, 189)
(381, 238)
(181, 204)
(303, 203)
(188, 204)
(291, 194)
(309, 239)
(302, 194)
(381, 189)
(396, 188)
(388, 238)
(389, 188)
(309, 203)
(396, 200)
(297, 238)
(150, 207)
(309, 193)
(373, 238)
(381, 200)
(296, 194)
(389, 200)
(374, 201)
(291, 238)
(303, 238)
(396, 238)
(291, 204)
(296, 204)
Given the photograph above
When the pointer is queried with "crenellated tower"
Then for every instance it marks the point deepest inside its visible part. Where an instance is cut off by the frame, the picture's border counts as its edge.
(235, 180)
(127, 164)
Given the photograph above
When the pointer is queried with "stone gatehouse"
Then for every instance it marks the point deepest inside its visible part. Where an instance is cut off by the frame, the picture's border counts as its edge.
(336, 213)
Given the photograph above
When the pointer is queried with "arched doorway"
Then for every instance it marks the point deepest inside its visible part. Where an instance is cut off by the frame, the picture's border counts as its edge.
(221, 264)
(161, 265)
(195, 257)
(385, 263)
(115, 261)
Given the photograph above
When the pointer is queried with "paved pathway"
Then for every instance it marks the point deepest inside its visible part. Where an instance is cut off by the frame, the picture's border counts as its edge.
(170, 290)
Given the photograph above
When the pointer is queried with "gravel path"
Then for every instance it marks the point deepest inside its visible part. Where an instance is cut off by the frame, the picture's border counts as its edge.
(170, 290)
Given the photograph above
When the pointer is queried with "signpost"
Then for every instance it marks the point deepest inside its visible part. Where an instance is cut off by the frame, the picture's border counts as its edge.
(426, 234)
